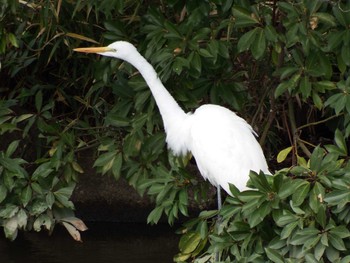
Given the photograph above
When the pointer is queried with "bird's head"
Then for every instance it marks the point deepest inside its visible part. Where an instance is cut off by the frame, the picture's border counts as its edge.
(118, 49)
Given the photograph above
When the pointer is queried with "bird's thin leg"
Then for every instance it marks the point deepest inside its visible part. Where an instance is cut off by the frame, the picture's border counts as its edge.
(218, 193)
(218, 221)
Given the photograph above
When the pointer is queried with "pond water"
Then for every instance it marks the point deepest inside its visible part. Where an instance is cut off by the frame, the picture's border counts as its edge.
(102, 243)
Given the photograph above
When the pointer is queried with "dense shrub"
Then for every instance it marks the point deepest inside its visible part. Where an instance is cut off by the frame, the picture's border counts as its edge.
(283, 65)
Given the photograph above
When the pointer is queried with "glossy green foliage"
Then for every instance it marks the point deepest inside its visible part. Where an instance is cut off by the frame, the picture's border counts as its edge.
(255, 57)
(297, 215)
(35, 194)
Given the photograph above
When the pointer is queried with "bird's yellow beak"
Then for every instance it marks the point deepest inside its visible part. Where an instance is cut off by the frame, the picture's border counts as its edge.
(93, 49)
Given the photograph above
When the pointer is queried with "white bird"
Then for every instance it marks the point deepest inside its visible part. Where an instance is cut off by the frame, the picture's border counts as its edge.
(223, 144)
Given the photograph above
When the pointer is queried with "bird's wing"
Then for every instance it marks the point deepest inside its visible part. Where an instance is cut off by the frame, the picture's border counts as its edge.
(224, 147)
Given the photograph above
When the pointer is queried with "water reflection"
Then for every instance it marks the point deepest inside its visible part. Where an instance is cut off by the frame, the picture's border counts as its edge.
(103, 243)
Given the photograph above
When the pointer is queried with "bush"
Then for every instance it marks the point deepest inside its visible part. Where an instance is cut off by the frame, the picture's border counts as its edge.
(282, 64)
(301, 214)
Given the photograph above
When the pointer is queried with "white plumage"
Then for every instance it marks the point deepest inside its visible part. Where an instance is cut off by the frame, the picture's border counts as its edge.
(222, 143)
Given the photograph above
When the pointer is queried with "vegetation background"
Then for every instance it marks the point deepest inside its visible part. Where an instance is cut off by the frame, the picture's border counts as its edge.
(282, 65)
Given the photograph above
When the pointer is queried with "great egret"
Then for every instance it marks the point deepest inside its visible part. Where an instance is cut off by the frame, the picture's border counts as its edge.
(222, 143)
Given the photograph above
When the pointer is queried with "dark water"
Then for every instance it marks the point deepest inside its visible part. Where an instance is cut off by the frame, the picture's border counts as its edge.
(102, 243)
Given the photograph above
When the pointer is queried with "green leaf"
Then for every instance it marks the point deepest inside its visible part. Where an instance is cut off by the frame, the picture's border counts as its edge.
(243, 17)
(277, 243)
(208, 214)
(22, 218)
(340, 15)
(50, 199)
(289, 187)
(270, 33)
(285, 72)
(319, 250)
(274, 255)
(324, 85)
(332, 254)
(141, 98)
(189, 242)
(250, 195)
(340, 231)
(131, 146)
(259, 214)
(63, 201)
(155, 215)
(183, 197)
(14, 165)
(76, 167)
(204, 53)
(310, 258)
(336, 242)
(321, 216)
(115, 120)
(213, 48)
(12, 148)
(311, 242)
(258, 46)
(316, 158)
(155, 188)
(3, 192)
(196, 62)
(172, 30)
(234, 190)
(246, 40)
(8, 211)
(340, 142)
(259, 181)
(288, 229)
(337, 196)
(183, 257)
(302, 164)
(42, 171)
(36, 188)
(292, 36)
(333, 99)
(117, 165)
(305, 87)
(179, 64)
(301, 193)
(288, 8)
(317, 101)
(163, 194)
(11, 228)
(283, 87)
(203, 229)
(13, 40)
(26, 195)
(183, 209)
(63, 195)
(285, 218)
(104, 159)
(38, 100)
(316, 197)
(326, 18)
(334, 40)
(223, 50)
(304, 235)
(282, 155)
(345, 259)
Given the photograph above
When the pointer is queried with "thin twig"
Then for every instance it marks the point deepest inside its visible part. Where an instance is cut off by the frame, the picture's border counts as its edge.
(295, 133)
(317, 122)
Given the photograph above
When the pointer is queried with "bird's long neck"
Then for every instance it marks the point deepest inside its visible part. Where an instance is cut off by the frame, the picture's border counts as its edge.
(168, 107)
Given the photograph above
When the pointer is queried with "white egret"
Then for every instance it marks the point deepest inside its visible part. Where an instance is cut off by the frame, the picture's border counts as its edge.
(222, 143)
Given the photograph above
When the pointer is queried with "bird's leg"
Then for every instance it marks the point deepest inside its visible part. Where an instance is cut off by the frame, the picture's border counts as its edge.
(218, 193)
(218, 220)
